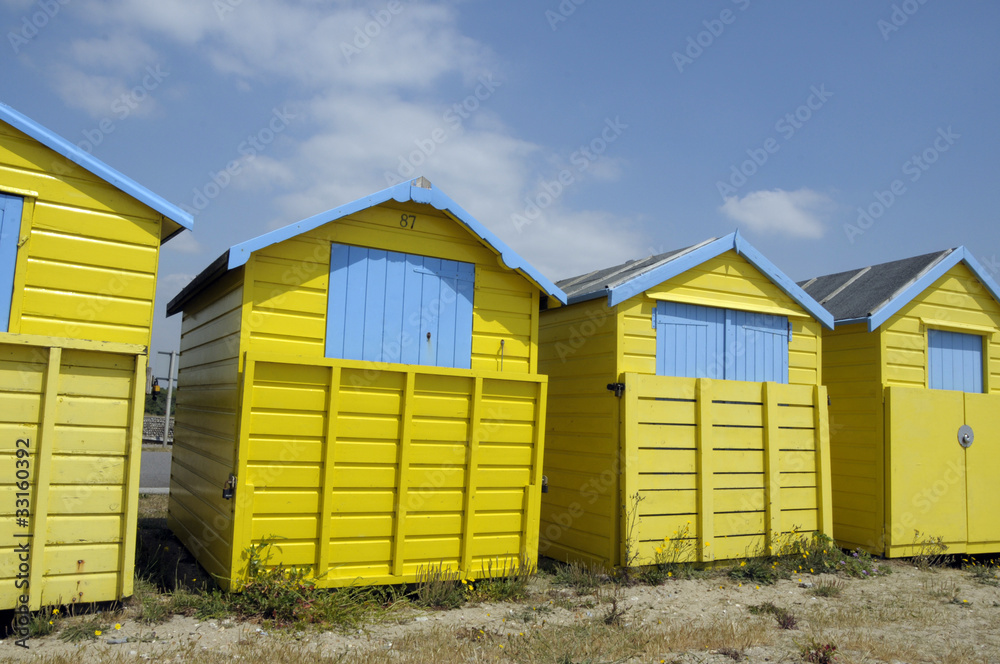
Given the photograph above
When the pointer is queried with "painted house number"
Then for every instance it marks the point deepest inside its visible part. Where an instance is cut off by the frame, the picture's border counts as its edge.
(408, 221)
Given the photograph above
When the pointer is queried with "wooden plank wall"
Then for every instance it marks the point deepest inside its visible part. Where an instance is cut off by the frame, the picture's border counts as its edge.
(731, 282)
(88, 268)
(205, 428)
(288, 282)
(958, 300)
(369, 474)
(580, 513)
(852, 373)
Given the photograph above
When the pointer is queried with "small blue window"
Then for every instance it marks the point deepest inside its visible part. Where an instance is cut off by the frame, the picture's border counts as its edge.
(955, 361)
(387, 306)
(709, 342)
(10, 230)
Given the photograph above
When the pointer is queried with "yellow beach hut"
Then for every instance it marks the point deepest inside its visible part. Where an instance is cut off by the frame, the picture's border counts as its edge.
(913, 371)
(685, 401)
(361, 390)
(79, 246)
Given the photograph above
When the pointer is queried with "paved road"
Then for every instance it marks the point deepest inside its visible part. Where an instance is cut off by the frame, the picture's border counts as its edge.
(154, 475)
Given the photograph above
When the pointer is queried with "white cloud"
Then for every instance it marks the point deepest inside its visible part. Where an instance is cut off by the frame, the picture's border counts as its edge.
(798, 213)
(373, 106)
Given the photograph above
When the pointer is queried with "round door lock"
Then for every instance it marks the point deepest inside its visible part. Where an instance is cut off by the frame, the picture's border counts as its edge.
(965, 435)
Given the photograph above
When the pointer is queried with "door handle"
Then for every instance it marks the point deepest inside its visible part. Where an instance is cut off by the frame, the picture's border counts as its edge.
(966, 435)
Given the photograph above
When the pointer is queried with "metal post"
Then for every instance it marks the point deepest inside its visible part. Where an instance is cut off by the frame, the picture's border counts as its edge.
(170, 394)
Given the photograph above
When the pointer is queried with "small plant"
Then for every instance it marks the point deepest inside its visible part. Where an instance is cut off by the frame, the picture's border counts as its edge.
(502, 580)
(88, 629)
(943, 590)
(982, 573)
(818, 653)
(615, 615)
(439, 588)
(581, 577)
(673, 559)
(785, 618)
(930, 551)
(44, 622)
(731, 653)
(631, 519)
(827, 588)
(755, 570)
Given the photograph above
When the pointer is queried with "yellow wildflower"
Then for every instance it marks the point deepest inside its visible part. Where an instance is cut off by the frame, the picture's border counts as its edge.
(97, 632)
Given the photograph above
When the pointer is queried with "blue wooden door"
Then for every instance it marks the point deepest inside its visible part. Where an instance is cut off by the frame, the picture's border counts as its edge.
(708, 342)
(757, 348)
(955, 361)
(10, 229)
(690, 340)
(387, 306)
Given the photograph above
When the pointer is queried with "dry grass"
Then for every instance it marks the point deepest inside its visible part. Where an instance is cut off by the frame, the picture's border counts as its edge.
(577, 614)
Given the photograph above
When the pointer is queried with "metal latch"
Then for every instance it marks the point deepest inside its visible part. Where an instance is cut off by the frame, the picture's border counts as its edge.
(545, 484)
(966, 435)
(617, 388)
(229, 488)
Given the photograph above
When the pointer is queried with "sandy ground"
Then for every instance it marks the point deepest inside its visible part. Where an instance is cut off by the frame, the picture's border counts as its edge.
(906, 607)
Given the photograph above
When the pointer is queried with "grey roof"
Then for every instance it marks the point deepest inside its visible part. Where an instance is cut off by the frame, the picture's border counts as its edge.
(595, 284)
(857, 294)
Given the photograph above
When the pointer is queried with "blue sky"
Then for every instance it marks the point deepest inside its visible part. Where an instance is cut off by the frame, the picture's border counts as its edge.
(667, 122)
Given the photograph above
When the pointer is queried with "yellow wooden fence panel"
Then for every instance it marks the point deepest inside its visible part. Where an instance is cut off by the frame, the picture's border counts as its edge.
(367, 473)
(735, 465)
(78, 493)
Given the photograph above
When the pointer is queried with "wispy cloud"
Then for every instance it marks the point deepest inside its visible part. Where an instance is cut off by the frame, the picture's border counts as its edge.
(385, 111)
(798, 213)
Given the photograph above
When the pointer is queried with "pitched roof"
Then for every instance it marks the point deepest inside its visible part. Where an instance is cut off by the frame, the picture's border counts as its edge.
(71, 152)
(419, 190)
(623, 281)
(873, 294)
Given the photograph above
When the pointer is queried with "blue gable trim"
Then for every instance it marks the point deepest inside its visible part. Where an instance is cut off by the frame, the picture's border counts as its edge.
(239, 254)
(901, 299)
(735, 242)
(60, 145)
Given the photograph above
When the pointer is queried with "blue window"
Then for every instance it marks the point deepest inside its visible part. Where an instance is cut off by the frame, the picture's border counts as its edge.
(10, 229)
(955, 361)
(388, 306)
(708, 342)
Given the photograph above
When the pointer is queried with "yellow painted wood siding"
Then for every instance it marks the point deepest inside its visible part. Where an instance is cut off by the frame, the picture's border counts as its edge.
(371, 474)
(288, 284)
(727, 281)
(580, 513)
(731, 465)
(207, 418)
(87, 265)
(958, 299)
(852, 374)
(79, 407)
